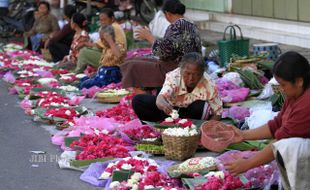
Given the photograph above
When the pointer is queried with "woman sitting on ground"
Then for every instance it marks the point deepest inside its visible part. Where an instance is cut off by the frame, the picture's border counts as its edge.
(78, 24)
(44, 25)
(187, 89)
(180, 38)
(292, 71)
(91, 53)
(59, 42)
(112, 56)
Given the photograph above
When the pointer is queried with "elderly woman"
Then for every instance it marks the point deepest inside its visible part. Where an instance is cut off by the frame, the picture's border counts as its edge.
(112, 56)
(290, 128)
(180, 38)
(44, 25)
(187, 89)
(91, 53)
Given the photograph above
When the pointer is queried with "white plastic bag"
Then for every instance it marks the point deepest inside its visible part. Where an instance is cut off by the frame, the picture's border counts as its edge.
(260, 115)
(159, 25)
(266, 93)
(233, 77)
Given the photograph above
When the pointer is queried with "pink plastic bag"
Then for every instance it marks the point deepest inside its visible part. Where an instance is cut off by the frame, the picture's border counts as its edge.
(75, 100)
(9, 77)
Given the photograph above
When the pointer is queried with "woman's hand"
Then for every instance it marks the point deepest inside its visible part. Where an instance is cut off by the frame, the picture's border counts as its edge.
(65, 59)
(238, 134)
(145, 34)
(238, 166)
(108, 38)
(163, 104)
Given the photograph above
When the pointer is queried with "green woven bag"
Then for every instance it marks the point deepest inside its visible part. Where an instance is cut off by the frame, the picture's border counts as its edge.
(230, 46)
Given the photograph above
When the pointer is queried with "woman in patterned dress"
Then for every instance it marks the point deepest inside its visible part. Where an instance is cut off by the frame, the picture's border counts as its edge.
(186, 89)
(78, 23)
(180, 38)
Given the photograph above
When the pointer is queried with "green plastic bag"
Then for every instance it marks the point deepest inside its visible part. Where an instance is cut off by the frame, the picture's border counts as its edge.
(233, 45)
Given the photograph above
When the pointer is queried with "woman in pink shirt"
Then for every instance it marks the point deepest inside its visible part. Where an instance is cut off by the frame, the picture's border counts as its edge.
(292, 71)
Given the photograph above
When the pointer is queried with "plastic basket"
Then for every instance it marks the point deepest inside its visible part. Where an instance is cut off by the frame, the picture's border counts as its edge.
(216, 136)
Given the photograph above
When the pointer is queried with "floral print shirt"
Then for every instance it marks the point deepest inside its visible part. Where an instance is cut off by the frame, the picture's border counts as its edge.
(180, 38)
(77, 39)
(174, 90)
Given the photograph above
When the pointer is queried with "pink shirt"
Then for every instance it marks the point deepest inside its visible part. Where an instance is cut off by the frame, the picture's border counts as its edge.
(293, 119)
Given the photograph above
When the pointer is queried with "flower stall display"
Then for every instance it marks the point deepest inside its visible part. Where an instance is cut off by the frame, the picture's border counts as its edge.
(58, 114)
(143, 174)
(100, 146)
(121, 113)
(180, 142)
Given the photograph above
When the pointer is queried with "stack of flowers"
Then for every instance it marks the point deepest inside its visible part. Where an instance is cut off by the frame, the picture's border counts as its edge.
(141, 132)
(101, 146)
(122, 113)
(52, 100)
(66, 113)
(181, 141)
(225, 182)
(145, 175)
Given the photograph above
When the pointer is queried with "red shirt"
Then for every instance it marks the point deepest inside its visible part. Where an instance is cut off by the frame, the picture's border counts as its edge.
(293, 119)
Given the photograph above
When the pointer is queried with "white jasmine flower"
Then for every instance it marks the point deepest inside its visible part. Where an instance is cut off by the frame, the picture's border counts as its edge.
(40, 102)
(54, 104)
(136, 176)
(68, 112)
(126, 166)
(46, 80)
(71, 124)
(182, 121)
(131, 183)
(44, 92)
(114, 184)
(104, 131)
(50, 115)
(174, 114)
(79, 76)
(135, 187)
(22, 72)
(25, 84)
(65, 77)
(218, 174)
(105, 175)
(169, 119)
(149, 187)
(96, 131)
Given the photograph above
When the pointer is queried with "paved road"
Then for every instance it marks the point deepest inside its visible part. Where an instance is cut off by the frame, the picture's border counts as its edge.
(19, 135)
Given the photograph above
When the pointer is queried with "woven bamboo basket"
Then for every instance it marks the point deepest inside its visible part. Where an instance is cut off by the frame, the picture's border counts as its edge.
(113, 99)
(180, 148)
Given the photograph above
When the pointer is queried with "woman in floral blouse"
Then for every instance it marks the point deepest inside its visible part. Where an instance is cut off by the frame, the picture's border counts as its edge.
(181, 37)
(78, 23)
(187, 89)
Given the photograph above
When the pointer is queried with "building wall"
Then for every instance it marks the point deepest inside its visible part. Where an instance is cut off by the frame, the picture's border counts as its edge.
(295, 10)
